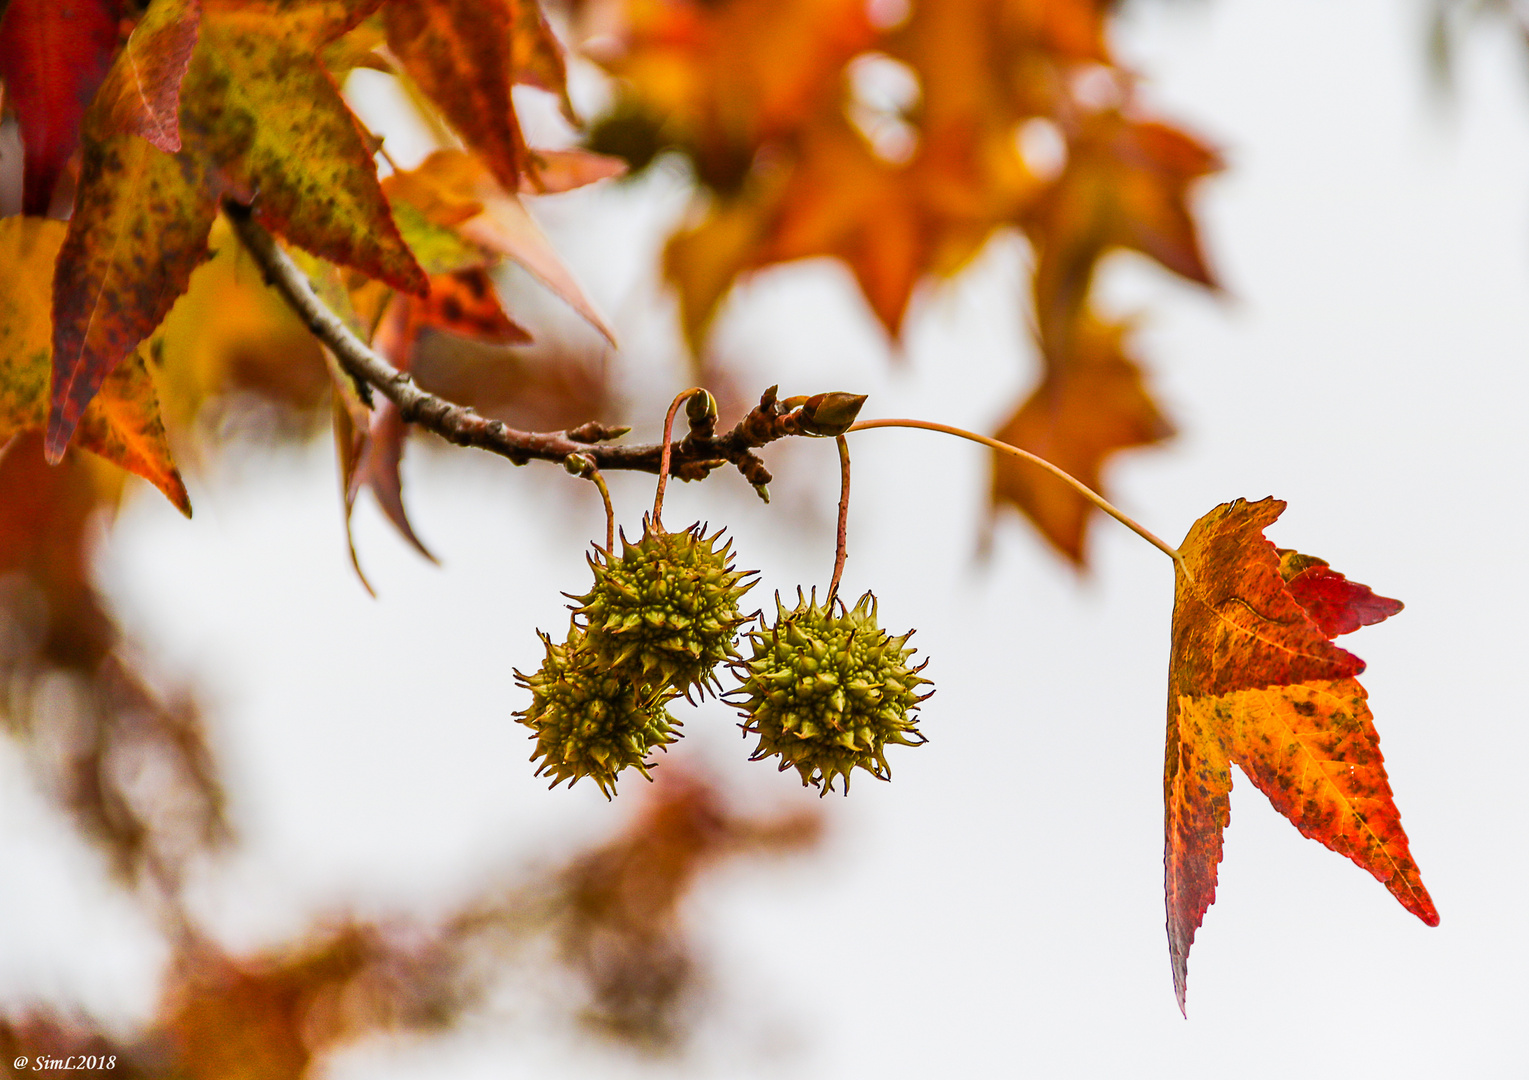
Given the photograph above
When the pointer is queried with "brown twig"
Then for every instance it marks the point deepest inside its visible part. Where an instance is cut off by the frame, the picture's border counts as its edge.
(693, 458)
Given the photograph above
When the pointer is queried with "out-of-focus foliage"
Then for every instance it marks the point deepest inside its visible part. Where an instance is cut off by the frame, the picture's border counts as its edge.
(900, 146)
(610, 919)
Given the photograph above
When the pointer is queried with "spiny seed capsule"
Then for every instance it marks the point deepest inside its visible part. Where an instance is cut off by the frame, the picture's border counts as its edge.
(588, 720)
(666, 612)
(827, 691)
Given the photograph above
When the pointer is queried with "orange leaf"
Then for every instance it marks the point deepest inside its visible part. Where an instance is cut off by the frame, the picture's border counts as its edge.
(122, 424)
(466, 304)
(454, 189)
(53, 56)
(705, 259)
(1083, 413)
(459, 52)
(729, 77)
(848, 202)
(1253, 679)
(145, 98)
(271, 118)
(259, 115)
(1126, 184)
(563, 170)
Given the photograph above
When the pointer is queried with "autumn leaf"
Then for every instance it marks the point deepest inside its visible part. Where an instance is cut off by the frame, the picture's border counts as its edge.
(564, 170)
(122, 424)
(1126, 184)
(261, 120)
(53, 56)
(459, 53)
(1084, 411)
(145, 100)
(1253, 679)
(727, 78)
(847, 201)
(371, 445)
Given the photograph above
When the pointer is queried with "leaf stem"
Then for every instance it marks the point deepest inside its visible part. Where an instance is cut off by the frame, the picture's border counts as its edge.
(1013, 451)
(841, 547)
(663, 461)
(583, 465)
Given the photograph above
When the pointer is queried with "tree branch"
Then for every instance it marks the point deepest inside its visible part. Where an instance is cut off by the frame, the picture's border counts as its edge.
(692, 458)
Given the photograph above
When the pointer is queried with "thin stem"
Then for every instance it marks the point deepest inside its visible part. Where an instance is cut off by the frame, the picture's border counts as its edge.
(583, 465)
(663, 461)
(610, 512)
(1004, 448)
(841, 549)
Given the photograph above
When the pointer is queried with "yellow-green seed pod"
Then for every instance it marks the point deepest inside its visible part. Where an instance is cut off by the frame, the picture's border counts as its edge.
(588, 720)
(665, 613)
(827, 691)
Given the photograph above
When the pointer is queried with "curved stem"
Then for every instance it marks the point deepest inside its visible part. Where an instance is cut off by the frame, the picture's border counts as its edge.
(593, 475)
(1013, 451)
(663, 461)
(583, 465)
(610, 512)
(841, 549)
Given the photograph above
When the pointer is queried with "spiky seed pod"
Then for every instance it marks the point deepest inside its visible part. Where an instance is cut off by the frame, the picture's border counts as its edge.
(666, 612)
(828, 690)
(590, 721)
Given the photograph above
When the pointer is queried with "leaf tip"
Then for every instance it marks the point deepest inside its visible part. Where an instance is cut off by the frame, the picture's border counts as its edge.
(60, 431)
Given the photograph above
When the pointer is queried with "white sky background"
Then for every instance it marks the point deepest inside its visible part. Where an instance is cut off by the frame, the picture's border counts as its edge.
(997, 910)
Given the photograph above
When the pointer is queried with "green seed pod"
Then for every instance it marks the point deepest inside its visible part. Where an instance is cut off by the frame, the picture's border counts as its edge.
(827, 691)
(588, 720)
(666, 612)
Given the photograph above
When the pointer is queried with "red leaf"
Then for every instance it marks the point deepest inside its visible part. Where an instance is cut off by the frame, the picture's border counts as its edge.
(1254, 680)
(53, 56)
(1336, 604)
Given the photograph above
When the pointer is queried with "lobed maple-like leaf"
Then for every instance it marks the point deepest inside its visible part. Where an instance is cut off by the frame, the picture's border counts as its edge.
(1085, 410)
(1254, 679)
(724, 79)
(459, 52)
(53, 56)
(1126, 185)
(122, 424)
(260, 120)
(145, 98)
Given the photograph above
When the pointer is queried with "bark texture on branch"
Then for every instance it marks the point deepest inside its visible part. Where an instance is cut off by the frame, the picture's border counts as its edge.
(692, 458)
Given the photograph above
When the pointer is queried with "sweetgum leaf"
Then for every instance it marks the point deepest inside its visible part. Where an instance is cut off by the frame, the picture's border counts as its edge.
(140, 225)
(271, 117)
(1253, 679)
(260, 120)
(1126, 184)
(455, 190)
(145, 99)
(122, 424)
(466, 55)
(1085, 411)
(53, 56)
